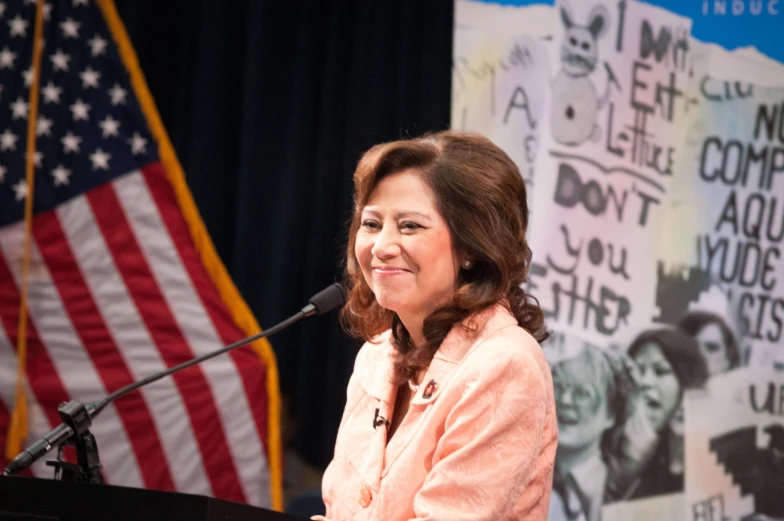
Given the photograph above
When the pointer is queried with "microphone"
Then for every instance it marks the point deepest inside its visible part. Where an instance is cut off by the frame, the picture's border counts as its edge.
(324, 301)
(76, 419)
(33, 453)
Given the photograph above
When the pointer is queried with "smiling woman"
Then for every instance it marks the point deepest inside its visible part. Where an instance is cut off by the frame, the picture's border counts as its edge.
(450, 411)
(593, 398)
(467, 187)
(405, 251)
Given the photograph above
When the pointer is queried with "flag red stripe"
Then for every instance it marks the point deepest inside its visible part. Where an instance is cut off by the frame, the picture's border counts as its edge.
(102, 349)
(41, 373)
(250, 367)
(148, 297)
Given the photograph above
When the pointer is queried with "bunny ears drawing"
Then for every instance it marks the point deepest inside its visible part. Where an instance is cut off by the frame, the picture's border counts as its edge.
(579, 50)
(576, 103)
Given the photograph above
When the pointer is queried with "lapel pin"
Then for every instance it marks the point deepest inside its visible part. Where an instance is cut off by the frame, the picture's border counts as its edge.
(430, 389)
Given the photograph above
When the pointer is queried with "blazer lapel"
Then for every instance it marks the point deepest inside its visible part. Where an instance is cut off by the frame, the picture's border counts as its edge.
(439, 372)
(377, 379)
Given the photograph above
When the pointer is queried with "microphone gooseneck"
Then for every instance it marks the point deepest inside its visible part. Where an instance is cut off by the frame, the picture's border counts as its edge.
(322, 302)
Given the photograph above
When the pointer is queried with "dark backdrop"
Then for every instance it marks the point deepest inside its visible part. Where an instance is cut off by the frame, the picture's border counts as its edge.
(269, 104)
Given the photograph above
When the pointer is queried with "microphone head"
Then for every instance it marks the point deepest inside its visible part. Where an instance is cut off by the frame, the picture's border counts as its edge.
(19, 463)
(329, 298)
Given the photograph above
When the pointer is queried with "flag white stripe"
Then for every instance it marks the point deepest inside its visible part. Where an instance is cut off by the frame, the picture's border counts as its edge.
(71, 361)
(135, 344)
(8, 363)
(183, 300)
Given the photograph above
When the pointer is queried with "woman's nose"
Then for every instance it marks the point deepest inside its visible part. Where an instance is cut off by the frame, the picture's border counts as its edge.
(646, 378)
(566, 397)
(387, 243)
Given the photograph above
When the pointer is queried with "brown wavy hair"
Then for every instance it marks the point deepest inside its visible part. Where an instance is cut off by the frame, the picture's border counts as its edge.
(481, 196)
(681, 351)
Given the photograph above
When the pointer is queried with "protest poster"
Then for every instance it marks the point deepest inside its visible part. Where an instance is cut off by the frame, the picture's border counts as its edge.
(728, 218)
(656, 167)
(499, 89)
(605, 163)
(739, 453)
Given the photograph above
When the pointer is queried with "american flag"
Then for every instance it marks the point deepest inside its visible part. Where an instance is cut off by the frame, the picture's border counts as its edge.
(123, 280)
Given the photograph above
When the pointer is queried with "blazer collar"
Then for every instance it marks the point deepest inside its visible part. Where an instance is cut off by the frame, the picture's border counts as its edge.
(459, 342)
(379, 378)
(471, 331)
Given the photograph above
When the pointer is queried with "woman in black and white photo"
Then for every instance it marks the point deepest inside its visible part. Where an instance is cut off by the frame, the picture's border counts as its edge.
(592, 390)
(651, 459)
(715, 338)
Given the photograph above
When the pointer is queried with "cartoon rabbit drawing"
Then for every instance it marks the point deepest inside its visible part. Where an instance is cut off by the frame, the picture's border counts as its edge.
(575, 102)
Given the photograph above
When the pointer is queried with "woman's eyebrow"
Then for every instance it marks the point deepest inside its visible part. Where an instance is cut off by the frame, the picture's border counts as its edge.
(370, 210)
(414, 214)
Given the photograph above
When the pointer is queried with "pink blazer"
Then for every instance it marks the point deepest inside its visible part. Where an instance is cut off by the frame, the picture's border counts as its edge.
(479, 444)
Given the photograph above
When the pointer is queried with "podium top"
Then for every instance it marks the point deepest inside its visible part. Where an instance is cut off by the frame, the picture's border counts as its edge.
(34, 499)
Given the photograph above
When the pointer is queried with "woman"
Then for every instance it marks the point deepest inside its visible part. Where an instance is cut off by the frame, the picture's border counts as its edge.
(450, 412)
(715, 339)
(651, 463)
(593, 392)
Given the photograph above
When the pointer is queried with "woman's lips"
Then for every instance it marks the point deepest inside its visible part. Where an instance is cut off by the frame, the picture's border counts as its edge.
(652, 402)
(389, 272)
(566, 416)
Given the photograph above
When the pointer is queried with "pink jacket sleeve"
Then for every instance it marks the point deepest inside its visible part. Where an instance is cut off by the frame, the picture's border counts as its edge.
(488, 455)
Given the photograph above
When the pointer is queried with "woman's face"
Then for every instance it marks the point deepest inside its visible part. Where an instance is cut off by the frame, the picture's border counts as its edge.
(661, 391)
(711, 342)
(580, 405)
(404, 248)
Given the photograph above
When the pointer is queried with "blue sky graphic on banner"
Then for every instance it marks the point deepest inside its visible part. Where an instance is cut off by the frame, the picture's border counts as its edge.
(730, 23)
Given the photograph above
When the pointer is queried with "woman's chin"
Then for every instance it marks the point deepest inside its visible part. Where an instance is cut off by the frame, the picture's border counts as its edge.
(654, 418)
(401, 307)
(390, 302)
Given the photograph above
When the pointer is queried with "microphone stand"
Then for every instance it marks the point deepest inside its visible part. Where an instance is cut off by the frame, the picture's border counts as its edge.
(78, 417)
(88, 464)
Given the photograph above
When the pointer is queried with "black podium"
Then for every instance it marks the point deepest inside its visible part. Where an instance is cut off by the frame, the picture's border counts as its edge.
(31, 499)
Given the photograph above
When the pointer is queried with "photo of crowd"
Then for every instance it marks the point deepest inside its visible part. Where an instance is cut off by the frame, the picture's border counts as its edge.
(620, 411)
